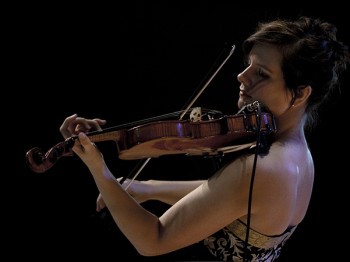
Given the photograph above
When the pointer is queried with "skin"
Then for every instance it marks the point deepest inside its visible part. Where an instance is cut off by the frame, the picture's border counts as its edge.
(282, 186)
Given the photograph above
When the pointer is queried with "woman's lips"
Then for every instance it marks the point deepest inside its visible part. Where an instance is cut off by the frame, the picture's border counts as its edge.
(243, 94)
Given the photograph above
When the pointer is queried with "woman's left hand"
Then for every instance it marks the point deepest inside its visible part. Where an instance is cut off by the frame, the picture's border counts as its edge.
(88, 151)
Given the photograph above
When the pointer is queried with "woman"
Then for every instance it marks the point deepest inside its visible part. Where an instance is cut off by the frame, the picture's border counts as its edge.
(292, 68)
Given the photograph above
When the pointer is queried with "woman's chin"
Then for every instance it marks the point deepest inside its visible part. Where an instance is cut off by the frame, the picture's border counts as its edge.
(243, 102)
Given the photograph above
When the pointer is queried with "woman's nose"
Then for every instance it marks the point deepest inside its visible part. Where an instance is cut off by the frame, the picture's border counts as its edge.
(240, 77)
(243, 77)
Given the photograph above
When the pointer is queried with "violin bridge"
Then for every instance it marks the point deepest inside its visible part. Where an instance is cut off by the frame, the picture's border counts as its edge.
(196, 114)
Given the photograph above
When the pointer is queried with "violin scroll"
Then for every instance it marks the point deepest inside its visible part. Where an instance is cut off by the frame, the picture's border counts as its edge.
(39, 161)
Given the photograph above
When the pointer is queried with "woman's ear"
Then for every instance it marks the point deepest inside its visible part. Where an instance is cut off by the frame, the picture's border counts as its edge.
(301, 95)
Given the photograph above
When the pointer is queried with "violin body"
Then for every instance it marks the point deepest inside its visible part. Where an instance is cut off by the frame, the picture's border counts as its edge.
(192, 138)
(169, 137)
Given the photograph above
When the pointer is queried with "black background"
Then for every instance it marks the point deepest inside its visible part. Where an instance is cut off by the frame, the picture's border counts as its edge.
(124, 64)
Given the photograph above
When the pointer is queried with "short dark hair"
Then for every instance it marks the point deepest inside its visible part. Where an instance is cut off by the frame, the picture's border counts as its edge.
(311, 55)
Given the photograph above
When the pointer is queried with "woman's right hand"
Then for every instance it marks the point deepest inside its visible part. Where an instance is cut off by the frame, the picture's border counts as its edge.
(73, 125)
(100, 203)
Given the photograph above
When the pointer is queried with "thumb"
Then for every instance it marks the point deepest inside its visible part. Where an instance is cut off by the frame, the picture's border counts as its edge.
(84, 140)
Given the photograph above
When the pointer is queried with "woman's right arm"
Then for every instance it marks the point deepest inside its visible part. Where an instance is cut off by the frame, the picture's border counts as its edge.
(168, 192)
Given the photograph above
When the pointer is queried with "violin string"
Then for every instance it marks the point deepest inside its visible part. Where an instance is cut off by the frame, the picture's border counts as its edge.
(150, 119)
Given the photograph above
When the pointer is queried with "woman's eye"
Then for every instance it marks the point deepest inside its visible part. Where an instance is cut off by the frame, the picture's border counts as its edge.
(262, 74)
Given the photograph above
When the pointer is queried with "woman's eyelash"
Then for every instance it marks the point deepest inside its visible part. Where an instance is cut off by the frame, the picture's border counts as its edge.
(262, 73)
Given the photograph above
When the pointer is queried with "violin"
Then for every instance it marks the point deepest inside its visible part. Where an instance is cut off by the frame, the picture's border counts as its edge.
(152, 138)
(206, 133)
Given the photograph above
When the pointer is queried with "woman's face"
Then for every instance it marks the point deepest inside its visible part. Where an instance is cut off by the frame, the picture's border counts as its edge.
(262, 80)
